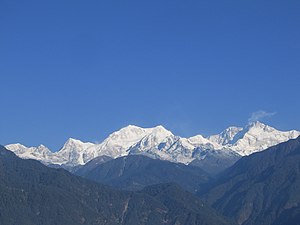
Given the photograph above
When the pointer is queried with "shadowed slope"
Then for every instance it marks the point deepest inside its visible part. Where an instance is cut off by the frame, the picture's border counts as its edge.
(137, 171)
(262, 188)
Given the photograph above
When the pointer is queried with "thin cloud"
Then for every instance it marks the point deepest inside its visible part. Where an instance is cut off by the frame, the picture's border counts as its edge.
(259, 115)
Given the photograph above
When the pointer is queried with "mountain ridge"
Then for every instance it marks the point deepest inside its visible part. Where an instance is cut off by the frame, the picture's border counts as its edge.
(158, 142)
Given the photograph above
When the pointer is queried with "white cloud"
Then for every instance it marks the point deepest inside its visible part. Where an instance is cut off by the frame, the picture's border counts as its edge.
(260, 114)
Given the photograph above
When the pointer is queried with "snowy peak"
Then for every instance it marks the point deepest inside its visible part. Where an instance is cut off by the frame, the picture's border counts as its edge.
(129, 132)
(130, 135)
(38, 153)
(258, 136)
(118, 143)
(72, 141)
(226, 136)
(133, 133)
(17, 148)
(73, 152)
(258, 126)
(254, 137)
(155, 136)
(160, 130)
(199, 140)
(126, 136)
(22, 149)
(75, 144)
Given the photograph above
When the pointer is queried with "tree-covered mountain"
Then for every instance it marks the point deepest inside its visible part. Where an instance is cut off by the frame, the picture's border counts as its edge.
(261, 189)
(135, 172)
(184, 202)
(33, 194)
(215, 161)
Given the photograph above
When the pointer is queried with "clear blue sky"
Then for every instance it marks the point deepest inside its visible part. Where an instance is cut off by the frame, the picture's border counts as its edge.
(83, 69)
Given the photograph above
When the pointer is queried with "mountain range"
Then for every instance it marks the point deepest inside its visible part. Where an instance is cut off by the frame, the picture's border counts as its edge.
(212, 153)
(261, 188)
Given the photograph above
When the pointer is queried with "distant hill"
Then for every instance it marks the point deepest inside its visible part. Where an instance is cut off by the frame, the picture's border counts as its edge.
(33, 194)
(261, 189)
(135, 172)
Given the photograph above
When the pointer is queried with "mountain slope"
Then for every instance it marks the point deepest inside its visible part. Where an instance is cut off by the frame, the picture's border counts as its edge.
(90, 165)
(214, 161)
(166, 192)
(31, 194)
(262, 188)
(135, 172)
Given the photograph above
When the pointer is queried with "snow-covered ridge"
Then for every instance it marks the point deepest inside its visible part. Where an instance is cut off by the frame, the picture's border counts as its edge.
(158, 142)
(258, 136)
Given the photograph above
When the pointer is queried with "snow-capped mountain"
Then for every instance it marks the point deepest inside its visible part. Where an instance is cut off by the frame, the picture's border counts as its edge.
(160, 143)
(226, 136)
(41, 153)
(117, 144)
(257, 137)
(73, 152)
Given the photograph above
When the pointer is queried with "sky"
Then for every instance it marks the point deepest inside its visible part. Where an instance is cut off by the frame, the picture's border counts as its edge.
(84, 69)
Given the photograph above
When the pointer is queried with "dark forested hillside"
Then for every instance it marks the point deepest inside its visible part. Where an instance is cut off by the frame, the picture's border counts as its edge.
(215, 161)
(136, 172)
(33, 194)
(261, 189)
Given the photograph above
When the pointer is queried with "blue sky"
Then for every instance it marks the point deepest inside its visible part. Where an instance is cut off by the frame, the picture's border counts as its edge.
(83, 69)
